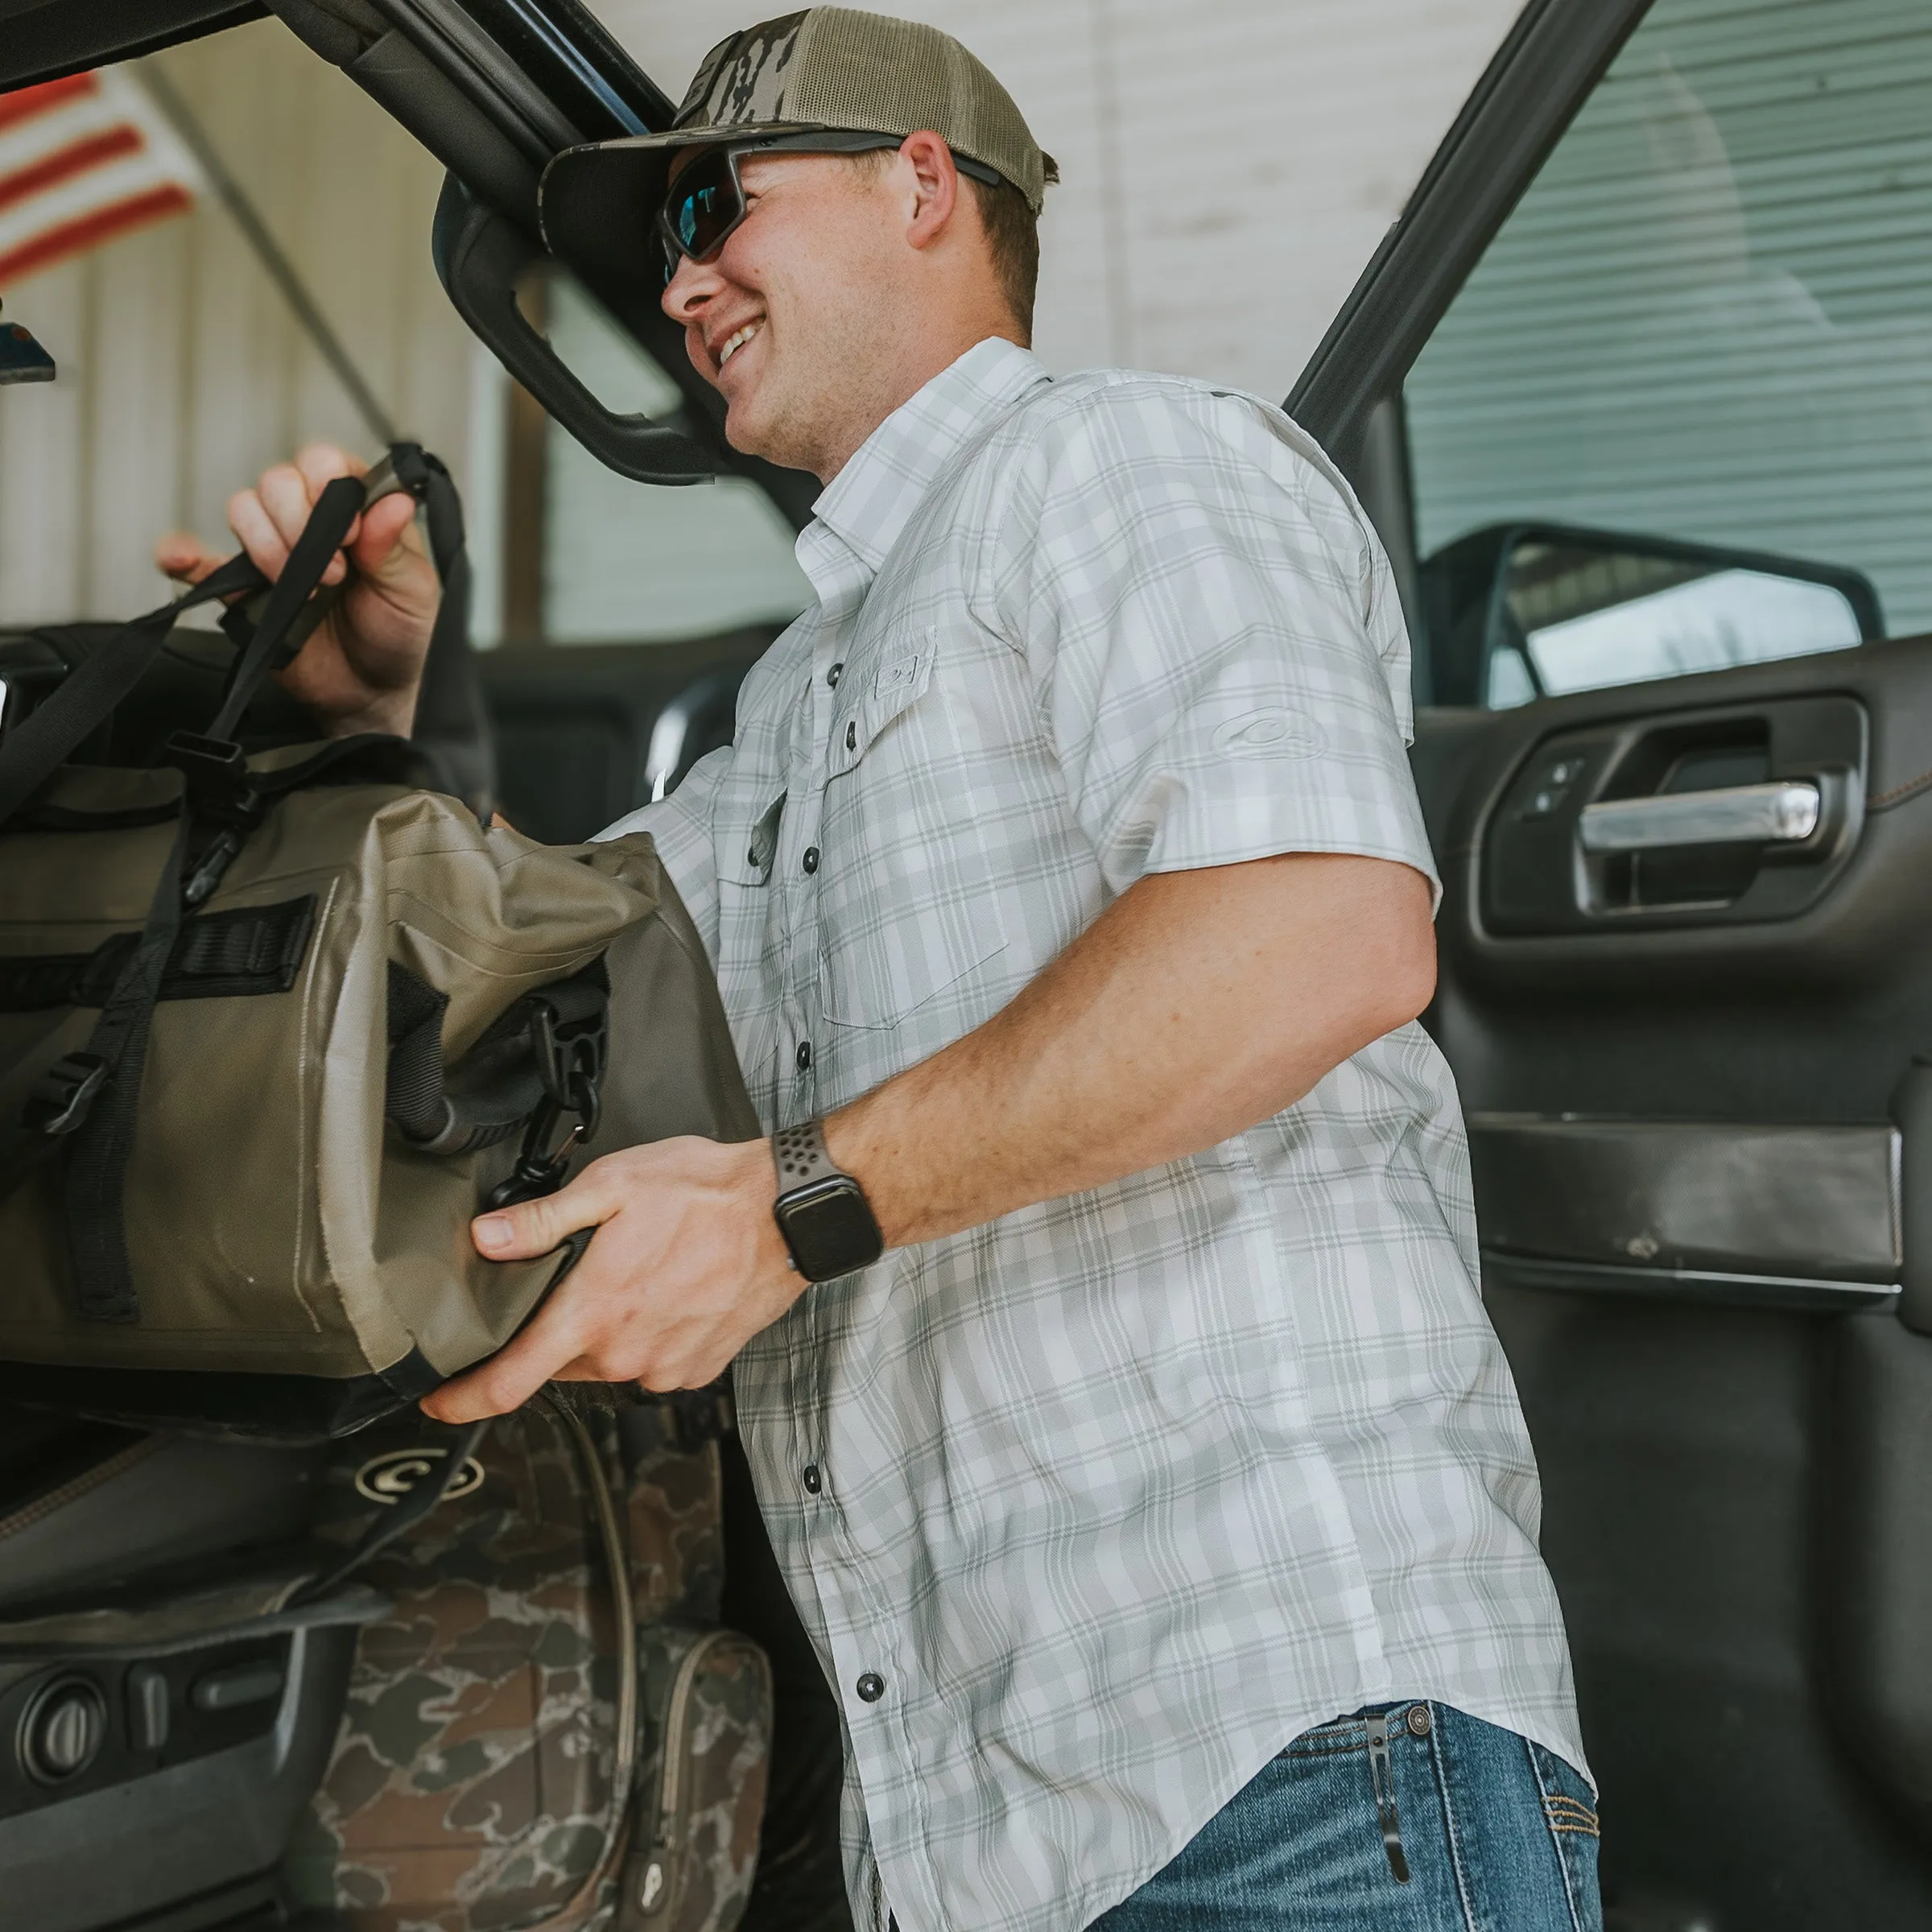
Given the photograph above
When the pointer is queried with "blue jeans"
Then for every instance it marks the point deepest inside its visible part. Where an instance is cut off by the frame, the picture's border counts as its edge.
(1495, 1834)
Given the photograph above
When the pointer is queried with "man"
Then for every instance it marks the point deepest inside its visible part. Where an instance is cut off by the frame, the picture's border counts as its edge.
(1157, 1498)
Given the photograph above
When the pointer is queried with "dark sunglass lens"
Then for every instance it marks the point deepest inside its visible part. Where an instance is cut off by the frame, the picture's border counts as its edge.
(703, 204)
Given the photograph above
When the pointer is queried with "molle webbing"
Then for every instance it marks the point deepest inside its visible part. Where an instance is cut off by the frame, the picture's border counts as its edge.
(230, 954)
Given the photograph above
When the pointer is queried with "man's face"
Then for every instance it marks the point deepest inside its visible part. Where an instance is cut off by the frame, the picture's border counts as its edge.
(798, 304)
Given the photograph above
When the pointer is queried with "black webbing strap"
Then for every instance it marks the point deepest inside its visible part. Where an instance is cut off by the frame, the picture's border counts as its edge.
(416, 1503)
(336, 510)
(100, 1141)
(450, 715)
(46, 738)
(230, 954)
(97, 1161)
(541, 1058)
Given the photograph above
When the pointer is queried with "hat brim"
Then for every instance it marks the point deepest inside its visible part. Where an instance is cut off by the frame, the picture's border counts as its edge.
(597, 204)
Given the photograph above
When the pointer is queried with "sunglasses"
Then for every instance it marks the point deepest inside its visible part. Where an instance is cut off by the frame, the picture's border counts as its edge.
(707, 200)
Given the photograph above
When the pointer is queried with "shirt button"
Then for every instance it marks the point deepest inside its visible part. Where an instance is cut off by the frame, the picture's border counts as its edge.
(852, 735)
(871, 1686)
(812, 1481)
(804, 1056)
(811, 858)
(833, 675)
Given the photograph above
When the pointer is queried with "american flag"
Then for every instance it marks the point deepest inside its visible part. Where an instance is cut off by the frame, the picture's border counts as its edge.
(83, 160)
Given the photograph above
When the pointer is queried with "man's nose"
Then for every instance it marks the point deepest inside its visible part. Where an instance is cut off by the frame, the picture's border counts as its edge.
(692, 285)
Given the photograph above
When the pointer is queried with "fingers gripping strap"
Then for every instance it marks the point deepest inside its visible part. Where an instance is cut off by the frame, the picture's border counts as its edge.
(336, 510)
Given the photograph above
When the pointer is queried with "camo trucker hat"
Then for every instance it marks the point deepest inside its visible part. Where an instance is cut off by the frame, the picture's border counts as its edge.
(828, 69)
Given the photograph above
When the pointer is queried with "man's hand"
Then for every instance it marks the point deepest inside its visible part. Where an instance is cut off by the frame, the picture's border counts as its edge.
(1198, 1004)
(360, 667)
(687, 1265)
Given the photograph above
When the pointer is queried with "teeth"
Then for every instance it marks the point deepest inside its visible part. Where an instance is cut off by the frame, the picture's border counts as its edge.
(735, 343)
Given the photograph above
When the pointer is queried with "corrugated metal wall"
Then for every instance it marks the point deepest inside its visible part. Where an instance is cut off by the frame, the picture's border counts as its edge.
(1711, 317)
(182, 372)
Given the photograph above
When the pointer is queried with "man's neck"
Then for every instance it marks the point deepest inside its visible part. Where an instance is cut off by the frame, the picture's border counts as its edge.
(912, 375)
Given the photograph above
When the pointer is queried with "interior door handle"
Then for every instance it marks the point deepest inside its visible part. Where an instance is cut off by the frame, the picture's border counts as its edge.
(1780, 813)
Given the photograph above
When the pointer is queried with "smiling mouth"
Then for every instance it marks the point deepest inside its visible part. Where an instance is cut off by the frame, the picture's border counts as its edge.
(734, 343)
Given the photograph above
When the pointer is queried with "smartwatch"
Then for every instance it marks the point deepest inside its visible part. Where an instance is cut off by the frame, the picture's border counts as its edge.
(822, 1211)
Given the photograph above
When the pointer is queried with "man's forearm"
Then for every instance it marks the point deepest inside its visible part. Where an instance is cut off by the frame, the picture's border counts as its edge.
(1199, 1004)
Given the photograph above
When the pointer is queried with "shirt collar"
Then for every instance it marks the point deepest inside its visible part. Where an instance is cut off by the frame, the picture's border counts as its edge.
(869, 503)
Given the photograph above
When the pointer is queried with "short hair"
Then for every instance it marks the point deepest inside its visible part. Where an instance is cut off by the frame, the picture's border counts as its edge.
(1012, 232)
(1013, 237)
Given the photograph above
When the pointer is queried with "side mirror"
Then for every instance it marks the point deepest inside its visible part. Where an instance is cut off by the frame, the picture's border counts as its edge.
(21, 358)
(1520, 611)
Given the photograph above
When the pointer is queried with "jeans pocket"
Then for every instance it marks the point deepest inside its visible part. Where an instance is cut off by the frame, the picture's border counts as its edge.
(1570, 1811)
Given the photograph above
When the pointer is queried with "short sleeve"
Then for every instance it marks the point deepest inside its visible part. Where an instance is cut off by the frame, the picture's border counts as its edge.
(681, 826)
(1214, 634)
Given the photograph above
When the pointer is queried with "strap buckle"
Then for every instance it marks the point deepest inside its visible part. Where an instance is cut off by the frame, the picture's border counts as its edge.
(59, 1101)
(570, 1054)
(218, 783)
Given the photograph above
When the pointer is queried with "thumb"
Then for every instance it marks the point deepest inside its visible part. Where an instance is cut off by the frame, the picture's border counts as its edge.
(534, 1227)
(186, 558)
(378, 547)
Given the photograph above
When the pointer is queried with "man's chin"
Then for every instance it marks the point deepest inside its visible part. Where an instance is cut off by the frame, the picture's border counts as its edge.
(756, 431)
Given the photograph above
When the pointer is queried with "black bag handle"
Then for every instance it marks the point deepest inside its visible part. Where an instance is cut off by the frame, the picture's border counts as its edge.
(42, 741)
(450, 719)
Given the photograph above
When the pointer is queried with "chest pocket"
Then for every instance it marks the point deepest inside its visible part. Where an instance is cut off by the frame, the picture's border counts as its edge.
(747, 858)
(907, 905)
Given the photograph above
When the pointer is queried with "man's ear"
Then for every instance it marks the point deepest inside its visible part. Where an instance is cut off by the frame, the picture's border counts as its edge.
(936, 187)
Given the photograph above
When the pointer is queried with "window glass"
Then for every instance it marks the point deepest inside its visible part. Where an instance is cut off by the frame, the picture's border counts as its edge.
(1708, 321)
(627, 562)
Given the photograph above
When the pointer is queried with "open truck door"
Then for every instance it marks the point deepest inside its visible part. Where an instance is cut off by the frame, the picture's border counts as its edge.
(1639, 392)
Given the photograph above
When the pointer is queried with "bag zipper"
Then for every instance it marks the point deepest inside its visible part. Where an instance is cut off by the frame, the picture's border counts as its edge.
(664, 1839)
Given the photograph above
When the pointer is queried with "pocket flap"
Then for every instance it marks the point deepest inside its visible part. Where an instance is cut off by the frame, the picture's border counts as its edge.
(869, 704)
(747, 861)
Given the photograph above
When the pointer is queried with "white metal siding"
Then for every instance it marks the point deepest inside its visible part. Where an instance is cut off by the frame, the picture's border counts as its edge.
(1227, 166)
(1711, 317)
(182, 372)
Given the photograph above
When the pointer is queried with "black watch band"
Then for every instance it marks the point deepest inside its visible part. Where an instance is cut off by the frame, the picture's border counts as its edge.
(822, 1211)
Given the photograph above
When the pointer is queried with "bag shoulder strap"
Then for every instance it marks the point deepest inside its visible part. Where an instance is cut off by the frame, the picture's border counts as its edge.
(88, 1100)
(45, 740)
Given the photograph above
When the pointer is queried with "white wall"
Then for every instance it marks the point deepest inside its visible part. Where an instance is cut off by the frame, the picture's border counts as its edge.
(1228, 166)
(183, 372)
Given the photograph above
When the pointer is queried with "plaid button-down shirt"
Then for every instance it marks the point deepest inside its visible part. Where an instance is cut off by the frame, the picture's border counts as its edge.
(1113, 1497)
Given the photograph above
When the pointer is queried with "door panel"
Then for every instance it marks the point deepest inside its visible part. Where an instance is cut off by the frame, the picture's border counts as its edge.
(1689, 1188)
(580, 730)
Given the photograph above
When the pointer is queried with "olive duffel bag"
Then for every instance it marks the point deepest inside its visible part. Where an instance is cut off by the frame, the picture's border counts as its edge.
(273, 1027)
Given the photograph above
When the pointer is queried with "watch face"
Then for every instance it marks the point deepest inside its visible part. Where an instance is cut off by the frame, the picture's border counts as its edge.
(829, 1228)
